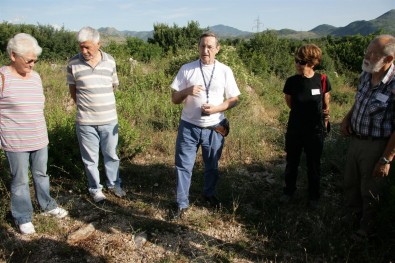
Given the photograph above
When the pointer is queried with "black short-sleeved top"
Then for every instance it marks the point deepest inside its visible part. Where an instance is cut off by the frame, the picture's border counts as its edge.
(306, 103)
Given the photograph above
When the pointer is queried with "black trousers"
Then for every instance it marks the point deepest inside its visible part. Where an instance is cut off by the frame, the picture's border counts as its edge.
(312, 144)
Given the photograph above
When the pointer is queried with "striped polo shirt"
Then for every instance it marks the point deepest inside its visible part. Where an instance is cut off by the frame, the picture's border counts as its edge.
(94, 89)
(22, 122)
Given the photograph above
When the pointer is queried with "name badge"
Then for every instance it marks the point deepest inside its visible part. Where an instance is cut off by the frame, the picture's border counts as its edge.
(382, 97)
(315, 92)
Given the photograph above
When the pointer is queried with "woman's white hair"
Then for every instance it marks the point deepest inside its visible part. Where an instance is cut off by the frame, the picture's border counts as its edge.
(88, 34)
(23, 44)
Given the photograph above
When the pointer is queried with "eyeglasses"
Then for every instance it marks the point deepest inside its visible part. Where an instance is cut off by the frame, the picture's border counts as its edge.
(29, 61)
(300, 62)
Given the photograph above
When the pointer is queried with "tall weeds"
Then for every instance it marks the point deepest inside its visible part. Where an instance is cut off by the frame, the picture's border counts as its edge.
(252, 161)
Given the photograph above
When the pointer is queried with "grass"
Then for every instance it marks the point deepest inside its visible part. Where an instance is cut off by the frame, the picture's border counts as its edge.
(251, 226)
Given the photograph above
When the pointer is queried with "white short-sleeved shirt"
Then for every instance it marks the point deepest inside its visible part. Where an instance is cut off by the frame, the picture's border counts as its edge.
(223, 86)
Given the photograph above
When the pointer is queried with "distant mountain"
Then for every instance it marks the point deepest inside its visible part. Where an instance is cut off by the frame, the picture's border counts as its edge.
(221, 30)
(292, 34)
(358, 27)
(228, 32)
(323, 30)
(139, 34)
(385, 22)
(110, 31)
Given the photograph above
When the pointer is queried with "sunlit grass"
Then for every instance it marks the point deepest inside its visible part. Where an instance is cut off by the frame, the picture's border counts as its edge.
(251, 224)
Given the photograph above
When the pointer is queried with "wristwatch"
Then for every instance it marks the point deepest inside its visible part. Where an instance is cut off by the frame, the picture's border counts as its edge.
(384, 160)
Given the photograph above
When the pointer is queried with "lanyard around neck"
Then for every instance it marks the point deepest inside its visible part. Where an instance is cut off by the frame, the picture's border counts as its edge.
(204, 79)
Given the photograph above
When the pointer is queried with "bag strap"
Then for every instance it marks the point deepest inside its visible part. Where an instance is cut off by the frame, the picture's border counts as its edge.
(2, 89)
(323, 85)
(323, 82)
(2, 81)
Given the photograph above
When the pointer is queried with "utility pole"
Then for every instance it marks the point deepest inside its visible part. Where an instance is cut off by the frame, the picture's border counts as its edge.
(258, 25)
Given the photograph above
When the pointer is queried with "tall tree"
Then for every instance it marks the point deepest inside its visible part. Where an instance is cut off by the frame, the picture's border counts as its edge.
(173, 39)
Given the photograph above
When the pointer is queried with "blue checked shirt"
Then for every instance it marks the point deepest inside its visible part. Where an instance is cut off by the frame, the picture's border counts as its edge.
(374, 109)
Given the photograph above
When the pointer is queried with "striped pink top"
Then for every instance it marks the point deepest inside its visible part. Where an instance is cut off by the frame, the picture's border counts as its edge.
(22, 122)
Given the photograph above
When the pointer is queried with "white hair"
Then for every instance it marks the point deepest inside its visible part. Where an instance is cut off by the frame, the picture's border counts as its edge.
(23, 44)
(88, 34)
(389, 48)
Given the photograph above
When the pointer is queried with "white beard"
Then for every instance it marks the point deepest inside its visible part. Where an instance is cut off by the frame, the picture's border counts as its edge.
(372, 68)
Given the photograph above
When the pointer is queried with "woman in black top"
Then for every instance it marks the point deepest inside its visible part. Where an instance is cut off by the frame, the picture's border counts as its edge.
(309, 106)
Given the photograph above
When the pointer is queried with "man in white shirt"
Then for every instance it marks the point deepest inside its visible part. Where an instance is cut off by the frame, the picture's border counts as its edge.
(207, 88)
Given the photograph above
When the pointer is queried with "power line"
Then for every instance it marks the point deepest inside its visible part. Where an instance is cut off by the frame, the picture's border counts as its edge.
(258, 25)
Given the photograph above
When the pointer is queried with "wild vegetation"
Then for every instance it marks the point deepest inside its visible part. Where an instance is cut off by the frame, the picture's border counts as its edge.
(383, 23)
(251, 226)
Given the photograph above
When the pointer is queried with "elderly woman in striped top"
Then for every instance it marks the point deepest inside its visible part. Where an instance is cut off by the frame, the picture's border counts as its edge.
(23, 132)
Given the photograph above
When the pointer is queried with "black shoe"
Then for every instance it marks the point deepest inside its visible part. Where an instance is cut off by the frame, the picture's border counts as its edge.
(177, 214)
(212, 201)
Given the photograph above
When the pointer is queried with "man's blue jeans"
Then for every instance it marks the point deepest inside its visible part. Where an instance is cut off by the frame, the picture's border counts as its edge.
(189, 138)
(92, 138)
(21, 204)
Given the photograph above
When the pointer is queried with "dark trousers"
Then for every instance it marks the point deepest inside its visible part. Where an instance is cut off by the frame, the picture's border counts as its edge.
(312, 145)
(362, 191)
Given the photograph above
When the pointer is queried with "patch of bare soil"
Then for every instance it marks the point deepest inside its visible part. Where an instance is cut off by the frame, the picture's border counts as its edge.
(132, 229)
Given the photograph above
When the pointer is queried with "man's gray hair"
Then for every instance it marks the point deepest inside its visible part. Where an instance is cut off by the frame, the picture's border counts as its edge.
(389, 44)
(209, 34)
(88, 34)
(23, 44)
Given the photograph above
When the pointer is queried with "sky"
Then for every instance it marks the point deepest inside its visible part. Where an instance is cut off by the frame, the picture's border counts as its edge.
(141, 15)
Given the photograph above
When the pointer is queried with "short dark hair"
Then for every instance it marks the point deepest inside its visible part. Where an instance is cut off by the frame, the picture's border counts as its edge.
(310, 53)
(209, 34)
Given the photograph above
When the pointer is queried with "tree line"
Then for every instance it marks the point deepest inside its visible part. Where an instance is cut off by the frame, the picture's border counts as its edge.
(264, 53)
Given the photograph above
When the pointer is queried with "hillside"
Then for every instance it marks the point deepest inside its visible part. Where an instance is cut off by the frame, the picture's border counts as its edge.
(221, 30)
(110, 31)
(323, 30)
(358, 27)
(384, 22)
(227, 31)
(292, 34)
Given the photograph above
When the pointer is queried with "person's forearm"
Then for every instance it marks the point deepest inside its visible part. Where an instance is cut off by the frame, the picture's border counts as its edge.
(327, 98)
(389, 152)
(178, 97)
(73, 92)
(345, 125)
(227, 104)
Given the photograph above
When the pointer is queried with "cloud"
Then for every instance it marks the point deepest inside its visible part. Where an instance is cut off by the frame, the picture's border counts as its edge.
(17, 20)
(56, 26)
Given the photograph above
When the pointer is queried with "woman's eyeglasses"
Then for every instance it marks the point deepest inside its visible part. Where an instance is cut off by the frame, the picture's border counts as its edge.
(29, 61)
(300, 62)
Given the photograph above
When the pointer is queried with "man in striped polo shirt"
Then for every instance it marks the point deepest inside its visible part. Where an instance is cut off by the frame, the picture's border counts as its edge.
(92, 79)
